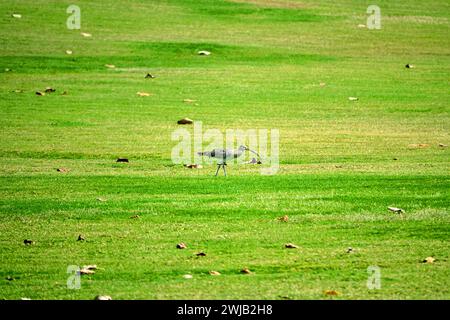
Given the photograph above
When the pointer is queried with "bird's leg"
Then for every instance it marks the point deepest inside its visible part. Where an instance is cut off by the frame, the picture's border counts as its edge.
(224, 170)
(218, 167)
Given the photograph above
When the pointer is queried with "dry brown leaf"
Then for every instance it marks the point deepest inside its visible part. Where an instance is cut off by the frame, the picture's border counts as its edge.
(254, 161)
(185, 121)
(284, 218)
(418, 145)
(181, 245)
(193, 166)
(246, 271)
(396, 210)
(90, 267)
(214, 273)
(86, 271)
(331, 292)
(143, 94)
(429, 260)
(63, 170)
(290, 246)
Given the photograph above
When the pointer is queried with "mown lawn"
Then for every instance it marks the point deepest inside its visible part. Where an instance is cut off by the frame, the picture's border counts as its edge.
(286, 65)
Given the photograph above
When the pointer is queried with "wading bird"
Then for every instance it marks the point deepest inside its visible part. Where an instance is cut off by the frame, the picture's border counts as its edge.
(224, 154)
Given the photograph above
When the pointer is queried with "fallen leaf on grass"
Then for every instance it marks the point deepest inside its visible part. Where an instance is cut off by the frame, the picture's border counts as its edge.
(246, 271)
(290, 246)
(331, 292)
(181, 245)
(254, 161)
(396, 210)
(149, 76)
(39, 93)
(143, 94)
(443, 145)
(80, 238)
(69, 52)
(62, 170)
(188, 276)
(284, 218)
(16, 15)
(86, 271)
(418, 145)
(101, 199)
(353, 98)
(214, 273)
(86, 35)
(185, 121)
(135, 217)
(49, 90)
(102, 298)
(193, 166)
(204, 53)
(89, 269)
(429, 260)
(110, 66)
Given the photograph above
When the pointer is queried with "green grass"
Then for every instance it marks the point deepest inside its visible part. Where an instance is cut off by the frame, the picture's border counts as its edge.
(342, 163)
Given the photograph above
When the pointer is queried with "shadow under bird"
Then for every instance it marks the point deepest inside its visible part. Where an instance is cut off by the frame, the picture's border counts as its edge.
(222, 155)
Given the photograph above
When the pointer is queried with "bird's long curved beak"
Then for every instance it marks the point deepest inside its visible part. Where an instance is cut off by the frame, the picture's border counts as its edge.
(254, 152)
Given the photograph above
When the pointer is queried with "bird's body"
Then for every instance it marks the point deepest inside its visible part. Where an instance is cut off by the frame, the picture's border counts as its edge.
(222, 155)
